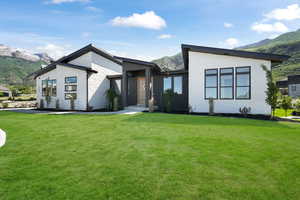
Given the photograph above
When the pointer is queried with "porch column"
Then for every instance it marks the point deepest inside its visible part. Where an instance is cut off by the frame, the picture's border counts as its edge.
(147, 85)
(124, 88)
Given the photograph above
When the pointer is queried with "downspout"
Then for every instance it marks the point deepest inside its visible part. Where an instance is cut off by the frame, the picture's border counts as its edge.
(87, 91)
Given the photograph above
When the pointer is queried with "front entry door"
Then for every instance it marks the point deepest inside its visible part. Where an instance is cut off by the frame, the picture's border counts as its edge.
(141, 94)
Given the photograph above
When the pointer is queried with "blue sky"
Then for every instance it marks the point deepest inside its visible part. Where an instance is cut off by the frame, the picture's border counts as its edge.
(143, 29)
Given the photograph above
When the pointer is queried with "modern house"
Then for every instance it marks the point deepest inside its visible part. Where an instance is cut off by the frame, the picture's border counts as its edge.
(290, 86)
(234, 79)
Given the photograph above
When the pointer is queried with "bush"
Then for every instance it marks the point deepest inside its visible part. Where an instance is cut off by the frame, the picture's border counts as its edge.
(286, 103)
(5, 105)
(168, 98)
(297, 105)
(110, 96)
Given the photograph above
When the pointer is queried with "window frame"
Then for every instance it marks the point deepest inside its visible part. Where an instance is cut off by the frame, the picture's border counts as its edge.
(167, 77)
(173, 84)
(217, 83)
(70, 90)
(71, 77)
(232, 82)
(236, 79)
(72, 94)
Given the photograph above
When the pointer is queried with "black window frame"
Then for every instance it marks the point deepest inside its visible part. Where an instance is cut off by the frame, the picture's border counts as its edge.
(173, 84)
(236, 79)
(167, 77)
(217, 84)
(232, 82)
(71, 77)
(70, 90)
(72, 94)
(172, 77)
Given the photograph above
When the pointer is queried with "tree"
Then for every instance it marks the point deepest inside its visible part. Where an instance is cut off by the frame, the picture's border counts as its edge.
(286, 103)
(110, 96)
(14, 92)
(272, 91)
(167, 97)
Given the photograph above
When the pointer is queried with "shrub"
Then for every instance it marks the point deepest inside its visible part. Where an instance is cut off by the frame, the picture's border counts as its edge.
(286, 103)
(1, 94)
(297, 105)
(168, 97)
(245, 111)
(5, 105)
(110, 96)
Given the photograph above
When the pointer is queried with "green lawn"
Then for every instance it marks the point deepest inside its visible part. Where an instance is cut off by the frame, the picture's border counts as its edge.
(148, 156)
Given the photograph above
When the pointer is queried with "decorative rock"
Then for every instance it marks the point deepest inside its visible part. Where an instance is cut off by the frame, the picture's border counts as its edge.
(2, 138)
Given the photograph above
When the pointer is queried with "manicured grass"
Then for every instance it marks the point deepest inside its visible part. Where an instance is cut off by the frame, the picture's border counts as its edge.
(148, 156)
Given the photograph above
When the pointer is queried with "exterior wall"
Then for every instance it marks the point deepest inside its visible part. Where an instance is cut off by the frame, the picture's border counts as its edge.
(84, 60)
(198, 62)
(97, 82)
(294, 93)
(59, 74)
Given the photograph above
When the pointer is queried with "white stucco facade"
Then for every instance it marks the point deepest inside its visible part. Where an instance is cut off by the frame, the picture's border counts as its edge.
(59, 75)
(91, 87)
(199, 62)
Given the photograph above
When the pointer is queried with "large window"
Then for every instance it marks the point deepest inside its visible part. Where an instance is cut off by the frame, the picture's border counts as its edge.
(70, 88)
(243, 83)
(167, 83)
(226, 83)
(69, 96)
(49, 87)
(211, 83)
(177, 84)
(173, 83)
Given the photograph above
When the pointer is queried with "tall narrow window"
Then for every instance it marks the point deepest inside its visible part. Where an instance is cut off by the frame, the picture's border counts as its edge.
(226, 83)
(44, 87)
(211, 83)
(243, 83)
(167, 83)
(178, 84)
(54, 87)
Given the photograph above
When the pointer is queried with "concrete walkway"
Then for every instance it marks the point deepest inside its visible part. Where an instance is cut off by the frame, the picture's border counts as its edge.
(126, 111)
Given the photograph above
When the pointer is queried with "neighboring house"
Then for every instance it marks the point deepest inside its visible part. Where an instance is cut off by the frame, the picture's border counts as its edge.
(291, 85)
(6, 92)
(234, 79)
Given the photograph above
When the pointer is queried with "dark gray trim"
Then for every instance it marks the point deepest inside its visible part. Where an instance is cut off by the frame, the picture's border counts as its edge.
(87, 49)
(174, 72)
(229, 52)
(139, 62)
(118, 76)
(250, 88)
(53, 66)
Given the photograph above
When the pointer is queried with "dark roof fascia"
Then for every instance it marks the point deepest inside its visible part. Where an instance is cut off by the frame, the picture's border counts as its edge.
(229, 52)
(174, 72)
(53, 66)
(85, 50)
(141, 62)
(78, 67)
(117, 76)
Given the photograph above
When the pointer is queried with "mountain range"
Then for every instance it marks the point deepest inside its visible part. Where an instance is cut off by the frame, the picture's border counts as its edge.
(16, 64)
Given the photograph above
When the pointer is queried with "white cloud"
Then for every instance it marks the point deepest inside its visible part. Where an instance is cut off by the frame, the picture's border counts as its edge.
(147, 20)
(228, 25)
(231, 42)
(54, 51)
(291, 12)
(93, 9)
(67, 1)
(165, 36)
(276, 27)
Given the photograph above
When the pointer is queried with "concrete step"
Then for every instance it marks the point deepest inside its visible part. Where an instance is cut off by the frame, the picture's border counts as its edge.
(136, 108)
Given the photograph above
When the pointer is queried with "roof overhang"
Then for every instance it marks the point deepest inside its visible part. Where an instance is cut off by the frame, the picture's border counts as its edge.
(274, 58)
(117, 76)
(52, 66)
(139, 62)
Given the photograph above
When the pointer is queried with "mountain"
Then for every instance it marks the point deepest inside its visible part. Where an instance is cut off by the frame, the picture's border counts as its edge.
(170, 62)
(17, 64)
(286, 44)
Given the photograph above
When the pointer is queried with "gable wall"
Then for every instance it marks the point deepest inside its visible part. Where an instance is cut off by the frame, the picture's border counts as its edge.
(59, 74)
(198, 62)
(98, 83)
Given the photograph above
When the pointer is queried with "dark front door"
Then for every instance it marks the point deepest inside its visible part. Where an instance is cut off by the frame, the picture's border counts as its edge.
(132, 92)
